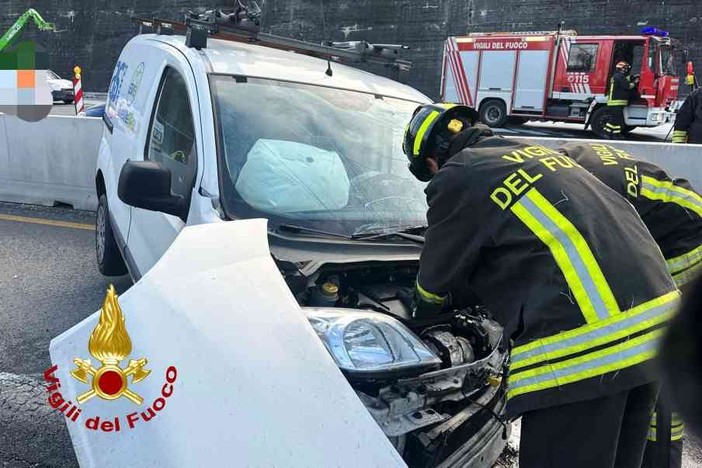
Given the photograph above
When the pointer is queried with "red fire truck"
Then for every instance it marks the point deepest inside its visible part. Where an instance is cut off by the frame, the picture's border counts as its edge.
(558, 76)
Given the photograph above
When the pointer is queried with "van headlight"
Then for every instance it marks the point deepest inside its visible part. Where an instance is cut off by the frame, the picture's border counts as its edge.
(369, 343)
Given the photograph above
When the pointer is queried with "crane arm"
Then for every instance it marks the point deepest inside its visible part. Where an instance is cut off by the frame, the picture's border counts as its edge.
(30, 14)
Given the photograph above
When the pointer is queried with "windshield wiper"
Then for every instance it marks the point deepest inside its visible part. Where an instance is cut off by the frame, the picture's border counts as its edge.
(403, 233)
(302, 229)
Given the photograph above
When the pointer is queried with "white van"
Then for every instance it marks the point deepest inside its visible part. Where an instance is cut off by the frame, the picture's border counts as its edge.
(235, 131)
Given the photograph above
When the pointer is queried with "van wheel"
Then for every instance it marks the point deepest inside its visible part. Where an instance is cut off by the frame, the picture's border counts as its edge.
(493, 113)
(598, 120)
(109, 259)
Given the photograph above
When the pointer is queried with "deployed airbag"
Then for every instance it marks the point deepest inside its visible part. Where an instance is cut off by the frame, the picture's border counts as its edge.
(289, 177)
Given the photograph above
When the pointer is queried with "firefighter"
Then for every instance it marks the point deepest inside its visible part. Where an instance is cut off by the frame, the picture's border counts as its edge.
(672, 212)
(688, 121)
(620, 89)
(567, 268)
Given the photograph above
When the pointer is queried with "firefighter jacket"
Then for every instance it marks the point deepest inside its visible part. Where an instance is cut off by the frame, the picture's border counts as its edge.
(563, 262)
(620, 88)
(688, 122)
(670, 208)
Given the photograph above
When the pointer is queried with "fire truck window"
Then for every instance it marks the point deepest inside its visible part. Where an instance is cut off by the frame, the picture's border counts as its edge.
(637, 59)
(582, 58)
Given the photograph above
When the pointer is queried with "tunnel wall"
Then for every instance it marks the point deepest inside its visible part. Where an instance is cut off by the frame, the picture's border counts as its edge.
(92, 32)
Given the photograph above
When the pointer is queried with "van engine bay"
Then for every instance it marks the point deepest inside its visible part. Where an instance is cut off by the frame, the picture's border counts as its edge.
(442, 408)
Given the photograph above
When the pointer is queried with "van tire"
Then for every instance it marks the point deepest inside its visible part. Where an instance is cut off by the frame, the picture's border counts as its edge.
(493, 113)
(107, 254)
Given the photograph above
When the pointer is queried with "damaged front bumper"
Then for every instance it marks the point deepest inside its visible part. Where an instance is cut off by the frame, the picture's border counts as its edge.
(449, 417)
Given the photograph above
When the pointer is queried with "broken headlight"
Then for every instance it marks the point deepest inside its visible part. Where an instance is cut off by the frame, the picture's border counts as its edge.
(369, 344)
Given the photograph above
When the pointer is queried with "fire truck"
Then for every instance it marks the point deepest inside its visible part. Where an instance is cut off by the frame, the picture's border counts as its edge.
(559, 76)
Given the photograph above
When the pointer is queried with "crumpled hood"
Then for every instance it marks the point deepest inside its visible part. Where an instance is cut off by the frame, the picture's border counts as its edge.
(248, 382)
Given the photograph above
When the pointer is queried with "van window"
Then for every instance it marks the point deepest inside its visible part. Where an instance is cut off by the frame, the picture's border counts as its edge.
(171, 139)
(582, 58)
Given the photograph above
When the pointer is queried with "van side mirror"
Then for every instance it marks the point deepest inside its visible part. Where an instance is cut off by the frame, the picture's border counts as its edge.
(147, 185)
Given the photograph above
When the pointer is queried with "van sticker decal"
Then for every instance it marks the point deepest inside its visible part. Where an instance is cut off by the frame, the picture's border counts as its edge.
(135, 83)
(158, 132)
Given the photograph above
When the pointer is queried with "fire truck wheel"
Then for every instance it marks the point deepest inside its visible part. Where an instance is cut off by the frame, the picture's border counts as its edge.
(598, 121)
(493, 113)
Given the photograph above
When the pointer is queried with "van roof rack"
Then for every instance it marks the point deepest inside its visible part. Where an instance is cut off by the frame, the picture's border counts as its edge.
(243, 25)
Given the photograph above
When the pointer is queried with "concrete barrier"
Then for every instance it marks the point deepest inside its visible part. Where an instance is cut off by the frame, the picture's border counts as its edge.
(679, 161)
(54, 160)
(50, 161)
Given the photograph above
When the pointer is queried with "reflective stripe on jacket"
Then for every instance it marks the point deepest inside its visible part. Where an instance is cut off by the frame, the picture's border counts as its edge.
(688, 121)
(561, 261)
(620, 87)
(677, 428)
(670, 208)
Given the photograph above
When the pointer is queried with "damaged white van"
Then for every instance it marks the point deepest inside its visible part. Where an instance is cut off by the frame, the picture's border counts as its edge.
(219, 130)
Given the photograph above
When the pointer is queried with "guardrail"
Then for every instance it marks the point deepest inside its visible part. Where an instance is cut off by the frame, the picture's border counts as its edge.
(51, 161)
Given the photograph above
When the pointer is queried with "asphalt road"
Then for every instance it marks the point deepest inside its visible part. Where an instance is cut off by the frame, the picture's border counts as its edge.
(49, 282)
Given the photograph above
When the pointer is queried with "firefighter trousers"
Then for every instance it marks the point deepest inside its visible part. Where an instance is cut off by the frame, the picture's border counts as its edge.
(604, 432)
(615, 126)
(664, 445)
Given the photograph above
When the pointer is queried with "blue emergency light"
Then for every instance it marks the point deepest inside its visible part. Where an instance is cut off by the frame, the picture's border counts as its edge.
(651, 31)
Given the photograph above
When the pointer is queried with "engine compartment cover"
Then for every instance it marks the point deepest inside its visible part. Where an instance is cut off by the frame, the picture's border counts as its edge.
(254, 386)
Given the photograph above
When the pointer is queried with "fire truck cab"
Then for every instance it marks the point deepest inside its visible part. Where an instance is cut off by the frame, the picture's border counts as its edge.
(558, 76)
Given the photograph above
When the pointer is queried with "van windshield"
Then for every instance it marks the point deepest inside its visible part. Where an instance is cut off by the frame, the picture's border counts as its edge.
(317, 157)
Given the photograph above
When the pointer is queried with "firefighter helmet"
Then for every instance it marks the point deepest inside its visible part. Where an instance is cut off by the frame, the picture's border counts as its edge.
(623, 66)
(430, 132)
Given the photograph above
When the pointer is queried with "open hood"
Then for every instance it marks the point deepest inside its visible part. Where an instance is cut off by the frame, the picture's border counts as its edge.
(237, 375)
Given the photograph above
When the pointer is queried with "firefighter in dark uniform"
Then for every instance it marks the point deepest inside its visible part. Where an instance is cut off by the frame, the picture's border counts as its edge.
(565, 265)
(688, 121)
(672, 212)
(620, 89)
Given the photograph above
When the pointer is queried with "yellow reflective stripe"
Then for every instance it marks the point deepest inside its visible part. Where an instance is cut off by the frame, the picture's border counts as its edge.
(685, 260)
(614, 358)
(430, 297)
(677, 420)
(680, 136)
(651, 434)
(571, 253)
(422, 130)
(670, 299)
(676, 432)
(667, 191)
(683, 277)
(598, 334)
(617, 102)
(447, 105)
(674, 421)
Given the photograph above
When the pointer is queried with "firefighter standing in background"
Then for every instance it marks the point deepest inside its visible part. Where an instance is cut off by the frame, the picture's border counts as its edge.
(565, 266)
(688, 121)
(672, 212)
(620, 89)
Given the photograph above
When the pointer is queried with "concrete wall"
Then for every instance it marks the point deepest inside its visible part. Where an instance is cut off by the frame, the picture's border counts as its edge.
(92, 32)
(680, 161)
(54, 160)
(424, 24)
(49, 161)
